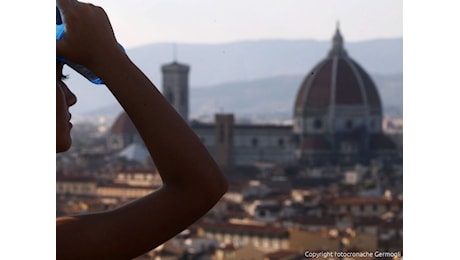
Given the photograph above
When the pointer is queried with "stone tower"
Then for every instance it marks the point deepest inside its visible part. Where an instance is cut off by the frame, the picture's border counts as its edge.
(224, 140)
(175, 87)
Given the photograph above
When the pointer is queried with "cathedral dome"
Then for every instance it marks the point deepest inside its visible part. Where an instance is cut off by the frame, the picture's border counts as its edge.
(123, 125)
(122, 133)
(337, 94)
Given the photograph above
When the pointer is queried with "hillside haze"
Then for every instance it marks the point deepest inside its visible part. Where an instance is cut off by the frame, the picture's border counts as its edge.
(229, 77)
(273, 98)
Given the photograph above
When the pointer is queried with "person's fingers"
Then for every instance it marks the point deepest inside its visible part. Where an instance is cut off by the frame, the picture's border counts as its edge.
(68, 9)
(65, 5)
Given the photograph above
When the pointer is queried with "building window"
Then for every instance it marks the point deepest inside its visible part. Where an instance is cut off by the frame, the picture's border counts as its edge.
(317, 124)
(281, 142)
(255, 142)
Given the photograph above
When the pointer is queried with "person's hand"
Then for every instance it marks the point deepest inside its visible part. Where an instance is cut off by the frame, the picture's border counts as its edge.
(89, 38)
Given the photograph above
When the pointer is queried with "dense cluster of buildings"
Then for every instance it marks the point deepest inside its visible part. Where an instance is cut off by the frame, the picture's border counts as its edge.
(329, 185)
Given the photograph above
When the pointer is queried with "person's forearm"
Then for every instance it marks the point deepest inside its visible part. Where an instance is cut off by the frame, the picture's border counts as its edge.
(178, 153)
(192, 181)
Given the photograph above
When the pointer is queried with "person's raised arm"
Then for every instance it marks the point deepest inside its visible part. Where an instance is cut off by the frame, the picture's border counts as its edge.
(192, 182)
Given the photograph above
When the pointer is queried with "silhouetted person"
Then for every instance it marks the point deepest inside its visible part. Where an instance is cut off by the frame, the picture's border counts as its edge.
(192, 182)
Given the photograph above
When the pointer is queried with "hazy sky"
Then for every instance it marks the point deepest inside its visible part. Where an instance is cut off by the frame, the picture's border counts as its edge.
(139, 22)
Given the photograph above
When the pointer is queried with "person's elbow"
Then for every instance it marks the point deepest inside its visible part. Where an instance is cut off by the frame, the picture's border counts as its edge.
(222, 186)
(214, 187)
(217, 187)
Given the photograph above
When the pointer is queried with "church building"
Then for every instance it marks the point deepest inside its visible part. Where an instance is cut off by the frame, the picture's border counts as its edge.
(337, 119)
(338, 113)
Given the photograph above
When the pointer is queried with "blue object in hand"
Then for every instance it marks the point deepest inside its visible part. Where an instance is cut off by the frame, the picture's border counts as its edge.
(60, 31)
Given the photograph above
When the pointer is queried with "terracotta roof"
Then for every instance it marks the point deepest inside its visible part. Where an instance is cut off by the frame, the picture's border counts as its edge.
(228, 248)
(254, 230)
(125, 185)
(363, 200)
(314, 220)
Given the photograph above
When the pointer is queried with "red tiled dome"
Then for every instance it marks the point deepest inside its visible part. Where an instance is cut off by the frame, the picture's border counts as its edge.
(337, 80)
(123, 125)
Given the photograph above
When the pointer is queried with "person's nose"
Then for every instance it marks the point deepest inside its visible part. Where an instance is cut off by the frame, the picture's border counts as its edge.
(71, 99)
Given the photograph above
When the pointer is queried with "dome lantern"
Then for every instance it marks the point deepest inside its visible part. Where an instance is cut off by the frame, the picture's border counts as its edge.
(337, 44)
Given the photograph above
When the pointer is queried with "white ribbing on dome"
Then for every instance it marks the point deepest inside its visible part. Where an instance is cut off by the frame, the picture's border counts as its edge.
(336, 52)
(362, 88)
(335, 63)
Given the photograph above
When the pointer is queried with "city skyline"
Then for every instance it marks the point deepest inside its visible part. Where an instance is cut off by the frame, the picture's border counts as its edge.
(425, 28)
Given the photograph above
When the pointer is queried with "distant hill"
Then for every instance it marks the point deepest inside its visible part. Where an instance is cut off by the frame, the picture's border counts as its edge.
(274, 97)
(242, 63)
(213, 64)
(270, 98)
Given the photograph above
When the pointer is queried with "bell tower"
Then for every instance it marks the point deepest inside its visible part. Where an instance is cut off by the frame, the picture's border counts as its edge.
(175, 87)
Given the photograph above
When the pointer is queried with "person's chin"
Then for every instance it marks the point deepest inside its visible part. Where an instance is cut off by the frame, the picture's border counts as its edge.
(63, 146)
